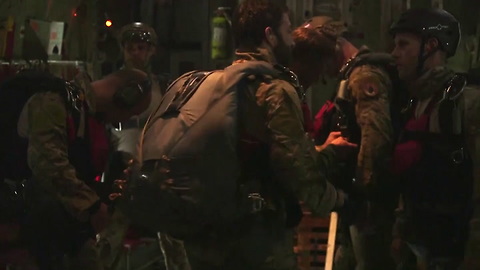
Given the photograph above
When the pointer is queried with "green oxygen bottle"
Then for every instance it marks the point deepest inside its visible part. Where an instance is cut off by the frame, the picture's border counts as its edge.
(220, 34)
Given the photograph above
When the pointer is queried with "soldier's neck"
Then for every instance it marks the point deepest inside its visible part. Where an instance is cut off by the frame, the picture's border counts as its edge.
(147, 68)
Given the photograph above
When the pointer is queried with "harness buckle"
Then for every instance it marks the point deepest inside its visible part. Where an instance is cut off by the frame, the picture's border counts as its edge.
(458, 156)
(118, 126)
(258, 202)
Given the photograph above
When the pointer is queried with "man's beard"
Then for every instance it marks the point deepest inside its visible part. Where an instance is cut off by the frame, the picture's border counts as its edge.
(283, 53)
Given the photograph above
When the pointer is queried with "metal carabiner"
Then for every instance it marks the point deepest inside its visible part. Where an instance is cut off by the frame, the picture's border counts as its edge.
(458, 156)
(258, 202)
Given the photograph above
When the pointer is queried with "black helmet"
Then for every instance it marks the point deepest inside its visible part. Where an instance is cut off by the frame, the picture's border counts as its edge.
(430, 22)
(137, 32)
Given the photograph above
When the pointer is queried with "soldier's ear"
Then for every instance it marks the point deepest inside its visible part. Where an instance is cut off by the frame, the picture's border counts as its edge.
(270, 36)
(431, 45)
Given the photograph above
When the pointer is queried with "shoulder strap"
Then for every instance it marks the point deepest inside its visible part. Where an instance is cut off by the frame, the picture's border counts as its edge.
(367, 58)
(74, 99)
(184, 93)
(235, 72)
(450, 113)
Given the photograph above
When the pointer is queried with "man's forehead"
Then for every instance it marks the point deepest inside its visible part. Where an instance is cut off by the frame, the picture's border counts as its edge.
(406, 36)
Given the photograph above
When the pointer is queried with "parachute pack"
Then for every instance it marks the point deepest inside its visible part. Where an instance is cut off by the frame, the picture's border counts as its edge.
(188, 182)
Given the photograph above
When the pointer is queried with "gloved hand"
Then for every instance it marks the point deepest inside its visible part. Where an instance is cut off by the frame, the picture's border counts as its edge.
(120, 185)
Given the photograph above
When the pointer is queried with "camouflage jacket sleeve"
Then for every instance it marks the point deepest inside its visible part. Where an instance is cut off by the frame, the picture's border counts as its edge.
(327, 160)
(293, 156)
(48, 156)
(472, 122)
(370, 89)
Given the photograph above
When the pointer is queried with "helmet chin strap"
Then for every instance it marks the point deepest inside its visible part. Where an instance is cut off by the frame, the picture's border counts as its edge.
(422, 57)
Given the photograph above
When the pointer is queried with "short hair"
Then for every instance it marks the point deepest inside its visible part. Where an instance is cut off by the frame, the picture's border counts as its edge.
(250, 19)
(312, 47)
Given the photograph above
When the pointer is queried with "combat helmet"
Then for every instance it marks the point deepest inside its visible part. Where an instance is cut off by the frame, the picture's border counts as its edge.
(137, 32)
(430, 22)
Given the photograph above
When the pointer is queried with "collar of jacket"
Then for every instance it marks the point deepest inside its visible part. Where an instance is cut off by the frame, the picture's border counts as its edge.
(430, 83)
(259, 54)
(264, 54)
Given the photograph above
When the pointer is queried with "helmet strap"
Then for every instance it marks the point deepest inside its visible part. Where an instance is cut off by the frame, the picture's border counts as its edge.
(422, 57)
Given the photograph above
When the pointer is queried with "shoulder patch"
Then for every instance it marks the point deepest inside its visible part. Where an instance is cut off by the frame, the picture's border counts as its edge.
(367, 82)
(370, 89)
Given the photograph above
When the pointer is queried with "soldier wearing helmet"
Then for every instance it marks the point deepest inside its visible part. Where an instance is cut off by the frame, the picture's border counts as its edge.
(365, 94)
(434, 33)
(138, 42)
(438, 150)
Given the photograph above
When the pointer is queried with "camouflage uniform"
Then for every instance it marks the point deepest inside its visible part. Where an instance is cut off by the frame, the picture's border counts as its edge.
(424, 89)
(43, 120)
(370, 89)
(273, 115)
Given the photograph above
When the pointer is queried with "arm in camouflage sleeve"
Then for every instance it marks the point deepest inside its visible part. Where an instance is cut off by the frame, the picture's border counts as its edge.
(293, 155)
(48, 156)
(472, 116)
(370, 88)
(327, 159)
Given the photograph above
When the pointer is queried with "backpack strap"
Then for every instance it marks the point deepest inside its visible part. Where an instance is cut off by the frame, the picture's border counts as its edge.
(450, 114)
(292, 78)
(74, 99)
(185, 92)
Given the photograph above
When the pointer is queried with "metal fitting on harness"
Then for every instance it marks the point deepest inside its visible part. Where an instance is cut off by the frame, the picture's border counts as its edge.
(458, 156)
(293, 79)
(454, 88)
(342, 90)
(134, 122)
(258, 202)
